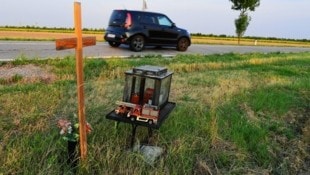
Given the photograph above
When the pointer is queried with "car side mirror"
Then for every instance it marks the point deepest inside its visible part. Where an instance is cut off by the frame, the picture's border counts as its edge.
(173, 25)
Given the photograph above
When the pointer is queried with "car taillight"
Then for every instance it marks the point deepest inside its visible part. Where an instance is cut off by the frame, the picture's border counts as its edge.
(128, 21)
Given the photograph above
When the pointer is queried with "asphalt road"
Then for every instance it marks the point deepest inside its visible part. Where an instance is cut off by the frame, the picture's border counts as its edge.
(10, 50)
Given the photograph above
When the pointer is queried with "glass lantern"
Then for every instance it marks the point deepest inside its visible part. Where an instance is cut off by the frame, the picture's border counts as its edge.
(147, 85)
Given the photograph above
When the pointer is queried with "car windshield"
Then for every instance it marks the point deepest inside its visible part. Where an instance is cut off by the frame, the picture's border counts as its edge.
(117, 18)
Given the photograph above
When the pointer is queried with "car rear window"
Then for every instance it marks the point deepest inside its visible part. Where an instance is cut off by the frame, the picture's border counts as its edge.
(117, 18)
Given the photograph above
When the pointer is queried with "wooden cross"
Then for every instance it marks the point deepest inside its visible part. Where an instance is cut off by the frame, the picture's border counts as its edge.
(78, 44)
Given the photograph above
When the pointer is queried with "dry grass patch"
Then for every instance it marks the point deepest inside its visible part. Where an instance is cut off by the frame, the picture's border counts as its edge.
(25, 74)
(42, 35)
(249, 42)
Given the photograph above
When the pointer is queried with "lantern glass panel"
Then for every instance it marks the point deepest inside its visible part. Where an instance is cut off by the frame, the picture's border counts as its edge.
(164, 90)
(149, 91)
(137, 85)
(127, 89)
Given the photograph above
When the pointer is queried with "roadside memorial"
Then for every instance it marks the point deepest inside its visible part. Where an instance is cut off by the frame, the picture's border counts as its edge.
(70, 133)
(145, 101)
(78, 43)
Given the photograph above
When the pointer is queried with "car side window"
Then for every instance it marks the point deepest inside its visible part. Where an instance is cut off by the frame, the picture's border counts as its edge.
(164, 21)
(148, 19)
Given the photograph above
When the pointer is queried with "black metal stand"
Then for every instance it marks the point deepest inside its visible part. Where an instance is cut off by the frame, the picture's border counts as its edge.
(150, 132)
(133, 134)
(164, 113)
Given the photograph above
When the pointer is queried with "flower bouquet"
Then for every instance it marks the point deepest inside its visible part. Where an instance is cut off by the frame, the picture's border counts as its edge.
(70, 133)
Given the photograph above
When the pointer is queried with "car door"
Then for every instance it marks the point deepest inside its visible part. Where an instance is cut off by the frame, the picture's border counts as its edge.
(151, 28)
(168, 33)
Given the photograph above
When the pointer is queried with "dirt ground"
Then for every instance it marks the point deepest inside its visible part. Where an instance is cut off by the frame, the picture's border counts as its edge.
(25, 73)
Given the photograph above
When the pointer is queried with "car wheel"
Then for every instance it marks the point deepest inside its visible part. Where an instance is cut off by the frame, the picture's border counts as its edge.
(150, 122)
(132, 118)
(137, 43)
(183, 44)
(114, 44)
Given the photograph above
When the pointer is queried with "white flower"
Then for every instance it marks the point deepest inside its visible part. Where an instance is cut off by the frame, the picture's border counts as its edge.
(62, 132)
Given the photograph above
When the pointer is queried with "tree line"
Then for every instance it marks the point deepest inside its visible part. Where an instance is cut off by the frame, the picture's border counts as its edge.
(51, 28)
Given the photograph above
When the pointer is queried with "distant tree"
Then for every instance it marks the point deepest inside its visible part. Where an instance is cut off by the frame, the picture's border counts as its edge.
(243, 21)
(241, 24)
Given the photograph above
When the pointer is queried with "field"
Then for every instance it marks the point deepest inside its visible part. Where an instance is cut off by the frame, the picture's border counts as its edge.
(235, 114)
(49, 34)
(249, 42)
(40, 36)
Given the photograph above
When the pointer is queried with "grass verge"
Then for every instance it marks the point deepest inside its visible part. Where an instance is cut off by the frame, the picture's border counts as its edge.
(235, 114)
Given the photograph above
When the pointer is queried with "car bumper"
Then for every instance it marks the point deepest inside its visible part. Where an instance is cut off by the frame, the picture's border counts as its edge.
(115, 37)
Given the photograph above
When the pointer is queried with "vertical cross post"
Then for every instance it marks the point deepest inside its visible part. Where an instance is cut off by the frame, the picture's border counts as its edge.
(78, 43)
(80, 83)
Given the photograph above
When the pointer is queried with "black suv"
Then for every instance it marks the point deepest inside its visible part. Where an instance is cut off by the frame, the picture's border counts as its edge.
(139, 28)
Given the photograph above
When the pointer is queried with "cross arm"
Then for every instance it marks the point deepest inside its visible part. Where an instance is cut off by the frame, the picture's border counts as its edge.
(70, 43)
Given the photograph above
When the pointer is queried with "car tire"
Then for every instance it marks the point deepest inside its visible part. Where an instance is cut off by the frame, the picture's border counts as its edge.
(183, 44)
(150, 122)
(132, 118)
(137, 43)
(114, 44)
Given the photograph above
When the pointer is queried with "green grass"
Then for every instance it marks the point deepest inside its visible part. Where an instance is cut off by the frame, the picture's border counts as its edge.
(235, 114)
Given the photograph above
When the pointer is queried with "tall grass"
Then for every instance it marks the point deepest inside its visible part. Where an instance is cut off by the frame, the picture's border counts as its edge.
(235, 114)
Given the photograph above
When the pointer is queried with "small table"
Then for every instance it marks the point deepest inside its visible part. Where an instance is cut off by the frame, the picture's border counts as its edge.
(163, 115)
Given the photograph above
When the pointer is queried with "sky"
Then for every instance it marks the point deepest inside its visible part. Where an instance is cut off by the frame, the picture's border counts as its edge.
(273, 18)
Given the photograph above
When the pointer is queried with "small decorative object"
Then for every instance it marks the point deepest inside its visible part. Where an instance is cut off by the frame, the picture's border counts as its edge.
(145, 98)
(70, 133)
